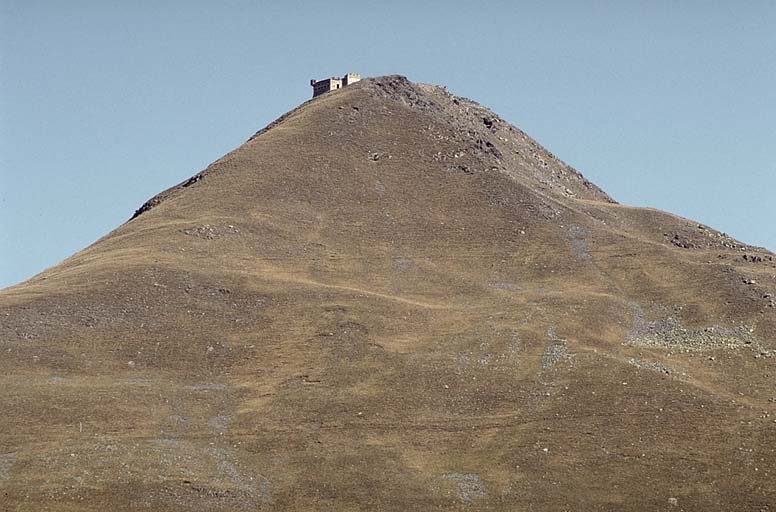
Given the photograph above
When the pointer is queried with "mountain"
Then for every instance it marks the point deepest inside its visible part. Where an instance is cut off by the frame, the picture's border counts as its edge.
(392, 299)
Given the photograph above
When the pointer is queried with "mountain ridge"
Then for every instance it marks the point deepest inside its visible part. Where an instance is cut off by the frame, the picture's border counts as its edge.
(391, 299)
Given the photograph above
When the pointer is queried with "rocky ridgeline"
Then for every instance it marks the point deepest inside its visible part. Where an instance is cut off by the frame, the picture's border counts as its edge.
(701, 237)
(487, 142)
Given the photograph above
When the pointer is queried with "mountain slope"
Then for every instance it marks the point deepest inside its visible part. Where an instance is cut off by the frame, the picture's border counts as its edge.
(392, 299)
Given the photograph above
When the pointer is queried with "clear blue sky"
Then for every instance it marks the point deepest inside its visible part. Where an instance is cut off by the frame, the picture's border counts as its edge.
(105, 103)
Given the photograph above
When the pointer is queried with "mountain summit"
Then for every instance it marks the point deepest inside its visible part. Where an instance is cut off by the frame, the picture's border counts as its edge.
(392, 299)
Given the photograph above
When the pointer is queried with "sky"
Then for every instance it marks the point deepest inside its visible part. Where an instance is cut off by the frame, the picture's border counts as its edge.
(104, 103)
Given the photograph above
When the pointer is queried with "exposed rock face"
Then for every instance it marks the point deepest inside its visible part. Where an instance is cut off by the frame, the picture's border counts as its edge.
(392, 299)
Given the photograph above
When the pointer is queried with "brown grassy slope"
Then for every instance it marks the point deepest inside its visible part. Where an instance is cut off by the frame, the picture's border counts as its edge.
(392, 300)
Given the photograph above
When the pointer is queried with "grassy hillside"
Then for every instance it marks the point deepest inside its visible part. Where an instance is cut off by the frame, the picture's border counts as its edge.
(392, 299)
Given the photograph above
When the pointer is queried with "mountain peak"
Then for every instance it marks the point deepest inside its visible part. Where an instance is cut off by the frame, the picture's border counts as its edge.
(479, 140)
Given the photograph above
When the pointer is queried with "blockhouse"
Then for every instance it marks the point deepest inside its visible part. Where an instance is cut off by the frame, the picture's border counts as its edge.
(333, 83)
